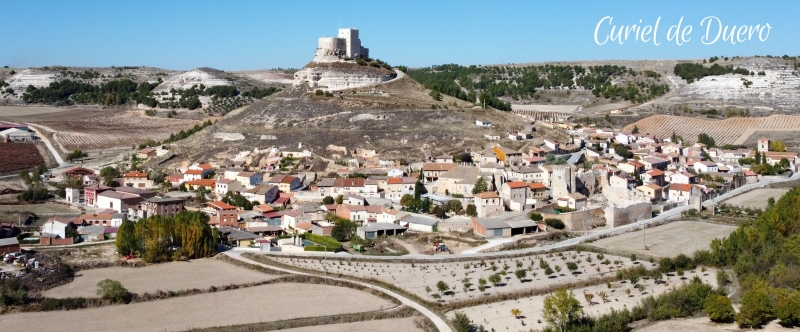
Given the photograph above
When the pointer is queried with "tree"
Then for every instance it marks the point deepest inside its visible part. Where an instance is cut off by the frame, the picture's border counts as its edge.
(461, 322)
(777, 146)
(623, 151)
(480, 186)
(756, 309)
(495, 279)
(343, 229)
(561, 308)
(572, 266)
(13, 292)
(535, 216)
(438, 211)
(521, 274)
(516, 313)
(407, 201)
(328, 200)
(674, 137)
(339, 199)
(787, 309)
(454, 206)
(471, 211)
(112, 290)
(635, 129)
(126, 241)
(706, 139)
(442, 286)
(784, 163)
(77, 154)
(554, 223)
(719, 308)
(108, 174)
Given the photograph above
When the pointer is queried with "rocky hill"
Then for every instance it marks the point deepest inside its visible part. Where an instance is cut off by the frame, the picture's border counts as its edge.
(340, 75)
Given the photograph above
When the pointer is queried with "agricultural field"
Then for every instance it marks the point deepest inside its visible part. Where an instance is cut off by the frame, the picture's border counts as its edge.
(121, 130)
(263, 303)
(415, 277)
(497, 316)
(395, 324)
(728, 131)
(704, 324)
(48, 113)
(19, 156)
(756, 199)
(669, 240)
(173, 276)
(40, 209)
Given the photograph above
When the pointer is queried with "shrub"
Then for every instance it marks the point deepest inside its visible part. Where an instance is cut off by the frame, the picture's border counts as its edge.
(554, 223)
(535, 216)
(719, 308)
(113, 290)
(461, 322)
(13, 293)
(756, 309)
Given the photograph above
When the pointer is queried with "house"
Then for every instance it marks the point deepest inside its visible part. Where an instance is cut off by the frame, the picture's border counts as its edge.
(262, 193)
(176, 179)
(9, 245)
(373, 186)
(353, 199)
(632, 167)
(232, 172)
(286, 183)
(290, 219)
(420, 223)
(97, 233)
(679, 192)
(397, 187)
(343, 186)
(445, 158)
(506, 155)
(57, 227)
(533, 161)
(325, 186)
(208, 184)
(458, 181)
(250, 179)
(97, 219)
(238, 238)
(514, 195)
(682, 178)
(763, 144)
(137, 179)
(491, 227)
(652, 190)
(774, 157)
(90, 193)
(575, 201)
(705, 167)
(481, 123)
(223, 186)
(77, 172)
(655, 176)
(146, 153)
(356, 213)
(652, 163)
(622, 180)
(118, 201)
(193, 174)
(163, 206)
(431, 171)
(537, 190)
(220, 206)
(528, 174)
(488, 204)
(376, 230)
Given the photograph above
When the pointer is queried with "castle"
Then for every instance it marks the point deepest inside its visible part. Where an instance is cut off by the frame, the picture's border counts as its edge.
(347, 44)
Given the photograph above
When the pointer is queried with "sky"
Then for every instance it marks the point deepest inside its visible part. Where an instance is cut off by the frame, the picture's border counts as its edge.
(244, 35)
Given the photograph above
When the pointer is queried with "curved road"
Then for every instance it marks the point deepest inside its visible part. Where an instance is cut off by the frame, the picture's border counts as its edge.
(61, 162)
(438, 321)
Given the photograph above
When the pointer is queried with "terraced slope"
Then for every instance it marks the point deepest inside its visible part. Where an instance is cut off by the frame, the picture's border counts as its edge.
(728, 131)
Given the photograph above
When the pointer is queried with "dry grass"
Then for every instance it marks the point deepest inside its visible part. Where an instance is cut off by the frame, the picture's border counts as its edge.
(248, 305)
(756, 198)
(669, 240)
(174, 276)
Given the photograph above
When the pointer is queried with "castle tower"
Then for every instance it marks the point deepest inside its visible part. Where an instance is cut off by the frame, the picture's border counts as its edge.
(763, 144)
(352, 42)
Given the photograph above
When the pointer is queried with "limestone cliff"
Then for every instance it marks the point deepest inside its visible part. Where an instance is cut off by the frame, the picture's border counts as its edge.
(335, 76)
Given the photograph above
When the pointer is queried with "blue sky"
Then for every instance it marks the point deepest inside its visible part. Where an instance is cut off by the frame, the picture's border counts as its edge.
(240, 35)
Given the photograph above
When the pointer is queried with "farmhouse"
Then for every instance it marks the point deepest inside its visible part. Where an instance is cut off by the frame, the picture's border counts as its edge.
(146, 153)
(17, 135)
(137, 180)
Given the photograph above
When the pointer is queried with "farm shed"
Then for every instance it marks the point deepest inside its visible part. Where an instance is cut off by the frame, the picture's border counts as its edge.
(420, 224)
(9, 245)
(238, 237)
(491, 227)
(375, 230)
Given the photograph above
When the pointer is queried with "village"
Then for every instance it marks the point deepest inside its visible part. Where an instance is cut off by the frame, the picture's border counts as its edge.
(602, 178)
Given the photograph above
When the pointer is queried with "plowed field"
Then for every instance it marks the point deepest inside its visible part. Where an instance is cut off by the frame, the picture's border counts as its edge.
(19, 156)
(728, 131)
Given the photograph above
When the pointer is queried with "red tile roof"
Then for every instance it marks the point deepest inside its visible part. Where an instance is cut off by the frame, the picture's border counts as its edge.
(202, 182)
(136, 175)
(220, 205)
(487, 195)
(194, 172)
(516, 184)
(680, 187)
(537, 185)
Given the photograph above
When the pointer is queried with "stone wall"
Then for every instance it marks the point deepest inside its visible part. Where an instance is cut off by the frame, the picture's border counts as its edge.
(583, 220)
(632, 213)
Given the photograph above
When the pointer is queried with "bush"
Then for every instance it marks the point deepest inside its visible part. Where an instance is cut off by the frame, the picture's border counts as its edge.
(13, 293)
(319, 239)
(719, 308)
(535, 216)
(327, 200)
(113, 290)
(554, 223)
(756, 309)
(461, 322)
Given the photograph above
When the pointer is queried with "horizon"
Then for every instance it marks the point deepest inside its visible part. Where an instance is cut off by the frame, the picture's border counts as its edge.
(252, 35)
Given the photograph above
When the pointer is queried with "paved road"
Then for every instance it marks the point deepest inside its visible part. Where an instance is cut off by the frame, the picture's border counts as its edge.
(61, 162)
(236, 253)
